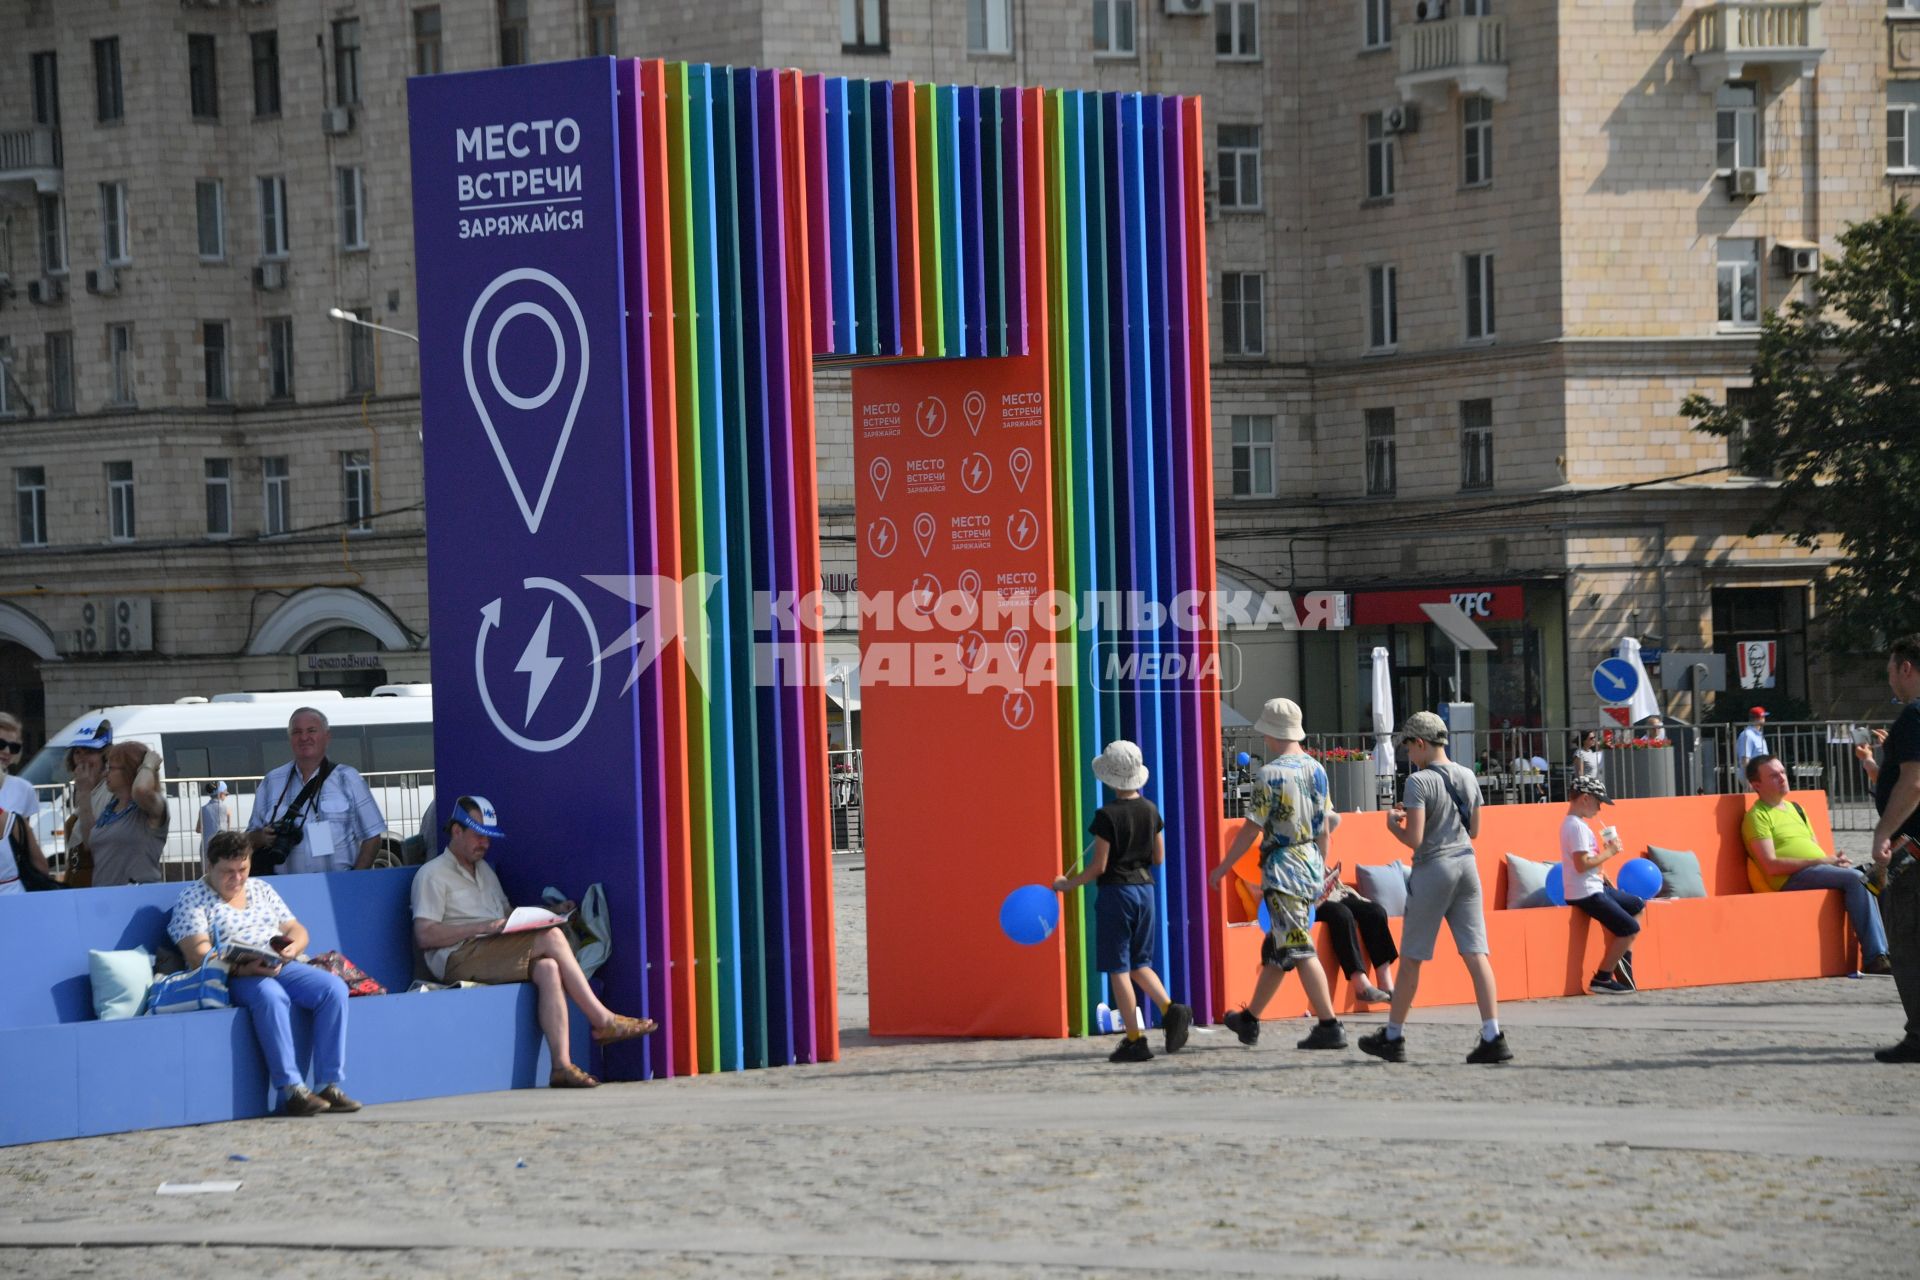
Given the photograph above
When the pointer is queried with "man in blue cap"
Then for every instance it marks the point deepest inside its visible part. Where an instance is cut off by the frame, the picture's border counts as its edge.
(460, 920)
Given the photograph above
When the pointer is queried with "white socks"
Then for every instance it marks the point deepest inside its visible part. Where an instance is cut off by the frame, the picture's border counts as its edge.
(1490, 1029)
(1394, 1031)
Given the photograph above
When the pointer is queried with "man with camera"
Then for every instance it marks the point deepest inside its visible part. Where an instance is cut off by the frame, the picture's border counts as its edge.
(311, 814)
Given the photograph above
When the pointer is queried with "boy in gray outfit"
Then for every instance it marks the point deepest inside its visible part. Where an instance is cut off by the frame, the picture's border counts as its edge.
(1438, 817)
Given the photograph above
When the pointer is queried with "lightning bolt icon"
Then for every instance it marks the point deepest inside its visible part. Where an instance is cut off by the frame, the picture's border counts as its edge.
(539, 664)
(880, 538)
(972, 650)
(1022, 529)
(973, 473)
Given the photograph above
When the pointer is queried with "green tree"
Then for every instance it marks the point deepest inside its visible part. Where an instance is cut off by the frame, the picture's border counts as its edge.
(1835, 415)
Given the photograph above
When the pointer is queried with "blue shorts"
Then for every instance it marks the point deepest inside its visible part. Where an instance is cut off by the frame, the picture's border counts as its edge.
(1616, 912)
(1123, 927)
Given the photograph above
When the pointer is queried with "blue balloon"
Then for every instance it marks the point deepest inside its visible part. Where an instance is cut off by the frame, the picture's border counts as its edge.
(1557, 886)
(1243, 759)
(1641, 877)
(1029, 914)
(1266, 917)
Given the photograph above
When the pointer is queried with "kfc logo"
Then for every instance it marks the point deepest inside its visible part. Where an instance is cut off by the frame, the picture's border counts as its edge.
(1475, 604)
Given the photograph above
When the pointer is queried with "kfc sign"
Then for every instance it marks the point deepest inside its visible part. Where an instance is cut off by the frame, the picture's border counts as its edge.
(1482, 604)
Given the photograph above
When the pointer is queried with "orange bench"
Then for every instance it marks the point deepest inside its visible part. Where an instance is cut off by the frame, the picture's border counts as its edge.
(1732, 935)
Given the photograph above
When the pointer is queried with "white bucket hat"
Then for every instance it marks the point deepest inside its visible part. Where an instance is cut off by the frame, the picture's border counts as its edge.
(1280, 720)
(1121, 767)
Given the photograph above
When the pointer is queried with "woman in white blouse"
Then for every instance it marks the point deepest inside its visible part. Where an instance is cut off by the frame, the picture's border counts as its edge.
(228, 907)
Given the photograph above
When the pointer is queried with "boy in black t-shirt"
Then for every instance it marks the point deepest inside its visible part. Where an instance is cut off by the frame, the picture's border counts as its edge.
(1896, 794)
(1127, 845)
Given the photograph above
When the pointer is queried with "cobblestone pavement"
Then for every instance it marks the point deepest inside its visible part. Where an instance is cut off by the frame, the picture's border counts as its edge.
(1728, 1131)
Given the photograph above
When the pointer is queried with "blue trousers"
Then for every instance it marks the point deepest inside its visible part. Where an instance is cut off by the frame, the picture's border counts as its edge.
(1861, 908)
(268, 1000)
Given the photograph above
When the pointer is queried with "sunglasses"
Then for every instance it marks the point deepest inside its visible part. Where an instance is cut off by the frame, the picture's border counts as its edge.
(11, 747)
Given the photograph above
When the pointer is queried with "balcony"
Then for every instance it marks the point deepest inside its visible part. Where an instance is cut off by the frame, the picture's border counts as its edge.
(1739, 39)
(31, 155)
(1468, 54)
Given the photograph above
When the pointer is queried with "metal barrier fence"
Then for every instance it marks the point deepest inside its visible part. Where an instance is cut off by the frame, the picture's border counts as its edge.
(844, 780)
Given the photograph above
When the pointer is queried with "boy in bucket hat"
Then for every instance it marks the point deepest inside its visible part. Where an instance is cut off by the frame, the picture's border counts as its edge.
(1438, 817)
(1587, 890)
(1127, 845)
(1291, 814)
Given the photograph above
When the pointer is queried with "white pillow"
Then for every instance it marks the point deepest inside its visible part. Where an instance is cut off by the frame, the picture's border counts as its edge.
(1527, 882)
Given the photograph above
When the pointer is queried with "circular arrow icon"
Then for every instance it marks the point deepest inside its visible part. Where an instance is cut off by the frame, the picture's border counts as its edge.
(930, 415)
(976, 472)
(541, 666)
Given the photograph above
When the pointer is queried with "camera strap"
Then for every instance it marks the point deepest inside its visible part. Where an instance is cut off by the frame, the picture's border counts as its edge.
(308, 792)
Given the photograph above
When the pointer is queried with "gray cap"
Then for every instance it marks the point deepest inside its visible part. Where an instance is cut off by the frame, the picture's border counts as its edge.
(1426, 726)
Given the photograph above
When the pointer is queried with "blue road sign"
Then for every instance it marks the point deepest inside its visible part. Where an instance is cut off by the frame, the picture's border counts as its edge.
(1616, 680)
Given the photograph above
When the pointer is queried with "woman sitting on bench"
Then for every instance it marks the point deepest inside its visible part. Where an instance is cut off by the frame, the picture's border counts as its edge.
(1357, 928)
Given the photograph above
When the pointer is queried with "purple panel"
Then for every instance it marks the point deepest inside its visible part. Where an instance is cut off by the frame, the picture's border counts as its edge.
(1014, 145)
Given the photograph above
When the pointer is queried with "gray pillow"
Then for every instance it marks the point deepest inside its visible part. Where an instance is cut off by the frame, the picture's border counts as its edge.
(1527, 882)
(1680, 872)
(1386, 886)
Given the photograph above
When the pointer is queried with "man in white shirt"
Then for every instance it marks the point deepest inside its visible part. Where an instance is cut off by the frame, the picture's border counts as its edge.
(1752, 742)
(459, 914)
(340, 824)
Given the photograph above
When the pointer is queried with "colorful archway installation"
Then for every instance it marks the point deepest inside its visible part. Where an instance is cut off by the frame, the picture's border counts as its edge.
(627, 271)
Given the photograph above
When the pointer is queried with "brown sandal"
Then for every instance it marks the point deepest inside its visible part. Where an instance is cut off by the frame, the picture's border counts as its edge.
(571, 1077)
(623, 1028)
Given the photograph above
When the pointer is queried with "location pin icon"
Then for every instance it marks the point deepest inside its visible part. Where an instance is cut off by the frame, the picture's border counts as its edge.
(923, 532)
(970, 584)
(1018, 643)
(975, 407)
(881, 472)
(1021, 464)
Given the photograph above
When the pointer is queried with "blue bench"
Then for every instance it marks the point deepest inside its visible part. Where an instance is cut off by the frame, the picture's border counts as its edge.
(69, 1075)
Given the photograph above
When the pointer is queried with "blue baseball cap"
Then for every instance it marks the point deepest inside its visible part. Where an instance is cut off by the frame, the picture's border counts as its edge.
(94, 736)
(486, 824)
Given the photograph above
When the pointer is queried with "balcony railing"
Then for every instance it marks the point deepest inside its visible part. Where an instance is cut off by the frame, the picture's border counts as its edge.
(1468, 53)
(31, 155)
(1734, 37)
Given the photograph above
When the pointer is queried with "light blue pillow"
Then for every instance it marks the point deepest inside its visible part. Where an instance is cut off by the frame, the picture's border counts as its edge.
(1385, 886)
(1679, 872)
(120, 982)
(1527, 882)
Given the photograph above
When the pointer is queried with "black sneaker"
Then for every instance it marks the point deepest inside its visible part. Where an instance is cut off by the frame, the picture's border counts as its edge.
(1379, 1046)
(1132, 1051)
(1907, 1050)
(1244, 1025)
(1494, 1050)
(1608, 983)
(1325, 1035)
(1179, 1023)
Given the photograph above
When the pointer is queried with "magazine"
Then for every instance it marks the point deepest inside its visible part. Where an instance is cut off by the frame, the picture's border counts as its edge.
(525, 918)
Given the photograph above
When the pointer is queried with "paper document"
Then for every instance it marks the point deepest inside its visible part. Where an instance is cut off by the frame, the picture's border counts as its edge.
(524, 918)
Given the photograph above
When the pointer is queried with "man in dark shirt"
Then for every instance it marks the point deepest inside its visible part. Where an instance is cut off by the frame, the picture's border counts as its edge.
(1896, 794)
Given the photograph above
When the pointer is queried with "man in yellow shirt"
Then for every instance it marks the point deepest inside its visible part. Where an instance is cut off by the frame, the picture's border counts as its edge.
(1783, 855)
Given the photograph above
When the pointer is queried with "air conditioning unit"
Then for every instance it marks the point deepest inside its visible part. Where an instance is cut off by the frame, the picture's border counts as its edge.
(104, 281)
(1800, 260)
(1403, 119)
(132, 624)
(46, 290)
(96, 630)
(270, 276)
(335, 121)
(1747, 182)
(1189, 8)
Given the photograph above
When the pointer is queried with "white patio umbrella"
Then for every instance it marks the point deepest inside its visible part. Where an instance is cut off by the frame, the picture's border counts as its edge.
(1643, 703)
(1382, 712)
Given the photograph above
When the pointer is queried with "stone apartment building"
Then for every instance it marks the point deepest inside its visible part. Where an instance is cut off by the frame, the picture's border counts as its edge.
(1466, 263)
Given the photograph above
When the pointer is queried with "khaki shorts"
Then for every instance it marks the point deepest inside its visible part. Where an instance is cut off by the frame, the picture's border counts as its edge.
(496, 961)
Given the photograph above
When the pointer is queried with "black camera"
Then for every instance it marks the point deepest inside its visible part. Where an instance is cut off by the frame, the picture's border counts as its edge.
(285, 839)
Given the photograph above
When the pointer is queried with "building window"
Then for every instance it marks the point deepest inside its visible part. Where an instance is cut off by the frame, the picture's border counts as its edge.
(1376, 24)
(356, 479)
(1474, 8)
(1903, 112)
(1380, 466)
(30, 505)
(1379, 157)
(266, 73)
(1383, 308)
(1238, 160)
(213, 342)
(1113, 28)
(273, 217)
(1736, 126)
(989, 26)
(512, 15)
(346, 62)
(53, 234)
(46, 88)
(276, 496)
(1738, 277)
(203, 77)
(116, 241)
(120, 526)
(60, 371)
(1242, 320)
(108, 103)
(7, 406)
(1741, 458)
(1479, 273)
(219, 497)
(1253, 455)
(120, 363)
(1476, 141)
(353, 207)
(426, 41)
(209, 202)
(603, 31)
(1236, 30)
(280, 358)
(1476, 444)
(360, 375)
(863, 26)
